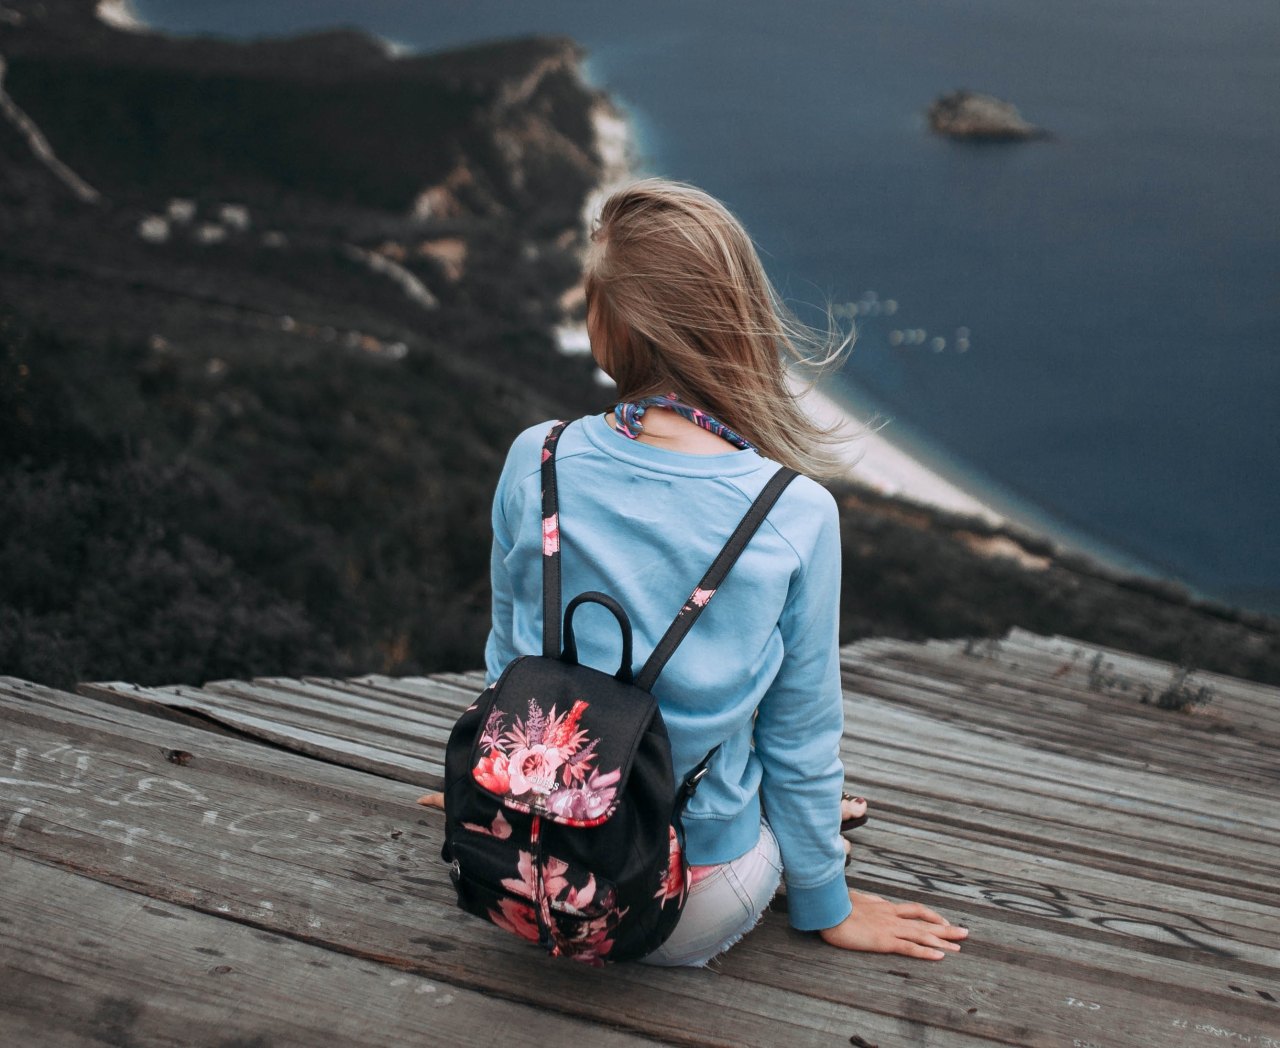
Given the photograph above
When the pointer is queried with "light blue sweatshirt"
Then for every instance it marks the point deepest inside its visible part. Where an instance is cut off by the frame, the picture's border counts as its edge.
(759, 673)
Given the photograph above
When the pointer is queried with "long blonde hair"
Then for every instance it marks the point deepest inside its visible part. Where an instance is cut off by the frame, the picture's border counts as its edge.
(678, 301)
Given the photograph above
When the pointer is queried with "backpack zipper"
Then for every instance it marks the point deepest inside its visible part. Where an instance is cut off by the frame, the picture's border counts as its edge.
(541, 904)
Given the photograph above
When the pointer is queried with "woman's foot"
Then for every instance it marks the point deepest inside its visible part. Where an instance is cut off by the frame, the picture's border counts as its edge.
(853, 812)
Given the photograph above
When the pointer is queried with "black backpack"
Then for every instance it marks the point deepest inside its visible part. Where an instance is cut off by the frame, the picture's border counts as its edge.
(562, 816)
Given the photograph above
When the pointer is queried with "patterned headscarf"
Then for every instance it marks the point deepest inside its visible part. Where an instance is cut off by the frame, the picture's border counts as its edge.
(628, 417)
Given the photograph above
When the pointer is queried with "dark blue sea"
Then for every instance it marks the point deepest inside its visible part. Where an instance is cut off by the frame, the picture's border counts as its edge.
(1084, 330)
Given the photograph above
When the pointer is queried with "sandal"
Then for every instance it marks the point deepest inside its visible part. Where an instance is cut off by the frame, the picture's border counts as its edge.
(853, 822)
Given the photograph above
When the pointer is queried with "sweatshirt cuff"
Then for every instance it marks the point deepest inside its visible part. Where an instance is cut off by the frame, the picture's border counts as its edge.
(822, 906)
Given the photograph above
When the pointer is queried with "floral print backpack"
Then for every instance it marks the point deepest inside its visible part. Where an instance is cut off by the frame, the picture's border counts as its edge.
(562, 813)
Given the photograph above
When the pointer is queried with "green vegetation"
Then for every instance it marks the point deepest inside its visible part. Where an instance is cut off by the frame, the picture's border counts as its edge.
(168, 514)
(173, 517)
(257, 455)
(914, 573)
(162, 521)
(237, 449)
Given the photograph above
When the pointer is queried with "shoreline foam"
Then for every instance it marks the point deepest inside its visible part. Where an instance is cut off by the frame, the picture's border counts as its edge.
(880, 463)
(120, 14)
(877, 462)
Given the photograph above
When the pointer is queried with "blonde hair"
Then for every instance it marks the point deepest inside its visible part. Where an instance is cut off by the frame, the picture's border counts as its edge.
(678, 301)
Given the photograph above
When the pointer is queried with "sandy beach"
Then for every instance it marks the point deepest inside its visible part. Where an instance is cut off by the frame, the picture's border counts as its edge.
(874, 460)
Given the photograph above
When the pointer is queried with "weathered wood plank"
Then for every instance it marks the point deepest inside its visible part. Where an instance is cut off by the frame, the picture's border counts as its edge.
(960, 815)
(327, 745)
(471, 683)
(1211, 815)
(1056, 666)
(337, 698)
(466, 686)
(1035, 915)
(881, 725)
(1184, 742)
(346, 870)
(1025, 656)
(1057, 887)
(1047, 647)
(398, 735)
(894, 770)
(976, 683)
(86, 963)
(334, 857)
(1072, 1000)
(333, 712)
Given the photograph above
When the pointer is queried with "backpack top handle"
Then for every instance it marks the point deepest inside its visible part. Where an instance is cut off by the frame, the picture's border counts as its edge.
(570, 654)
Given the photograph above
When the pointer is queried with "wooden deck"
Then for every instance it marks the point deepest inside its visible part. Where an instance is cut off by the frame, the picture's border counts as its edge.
(243, 865)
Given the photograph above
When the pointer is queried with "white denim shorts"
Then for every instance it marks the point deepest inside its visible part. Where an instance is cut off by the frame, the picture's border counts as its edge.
(723, 905)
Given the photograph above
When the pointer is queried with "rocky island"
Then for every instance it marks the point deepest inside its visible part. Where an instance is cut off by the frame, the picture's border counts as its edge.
(270, 314)
(981, 118)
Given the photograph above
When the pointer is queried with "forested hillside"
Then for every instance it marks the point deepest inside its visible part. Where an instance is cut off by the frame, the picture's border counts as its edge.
(256, 386)
(270, 314)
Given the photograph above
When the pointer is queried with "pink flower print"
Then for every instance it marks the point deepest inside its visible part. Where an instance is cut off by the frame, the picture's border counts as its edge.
(546, 454)
(578, 899)
(491, 737)
(592, 942)
(499, 828)
(523, 884)
(578, 763)
(517, 917)
(589, 802)
(551, 535)
(675, 883)
(562, 732)
(555, 886)
(492, 773)
(535, 726)
(701, 596)
(534, 768)
(554, 883)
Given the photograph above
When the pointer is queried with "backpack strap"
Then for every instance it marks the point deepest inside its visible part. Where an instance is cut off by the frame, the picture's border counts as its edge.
(550, 546)
(701, 596)
(688, 614)
(693, 607)
(698, 600)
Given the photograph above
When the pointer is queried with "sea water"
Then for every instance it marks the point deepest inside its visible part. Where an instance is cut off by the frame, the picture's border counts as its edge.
(1081, 330)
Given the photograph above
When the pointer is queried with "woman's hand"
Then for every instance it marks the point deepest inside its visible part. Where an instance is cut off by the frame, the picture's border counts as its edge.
(879, 926)
(433, 800)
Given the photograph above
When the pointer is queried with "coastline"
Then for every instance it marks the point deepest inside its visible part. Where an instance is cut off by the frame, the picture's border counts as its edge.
(871, 459)
(886, 464)
(889, 468)
(877, 462)
(252, 365)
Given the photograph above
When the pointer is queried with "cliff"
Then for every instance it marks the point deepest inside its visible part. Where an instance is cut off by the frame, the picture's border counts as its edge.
(270, 314)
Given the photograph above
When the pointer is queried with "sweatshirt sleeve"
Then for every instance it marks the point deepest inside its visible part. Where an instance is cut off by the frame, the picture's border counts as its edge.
(798, 730)
(499, 645)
